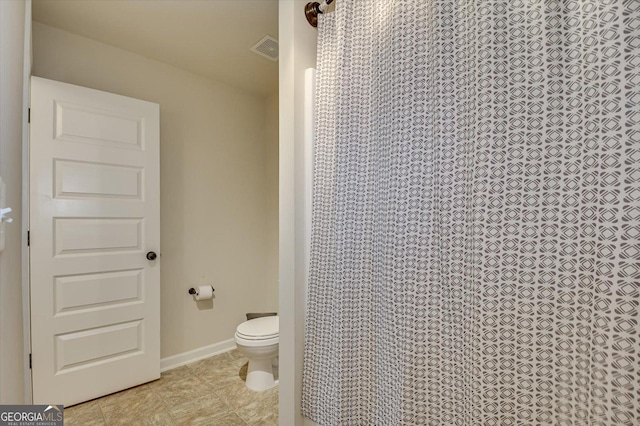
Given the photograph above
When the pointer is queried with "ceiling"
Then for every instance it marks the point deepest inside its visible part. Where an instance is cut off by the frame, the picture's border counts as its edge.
(211, 38)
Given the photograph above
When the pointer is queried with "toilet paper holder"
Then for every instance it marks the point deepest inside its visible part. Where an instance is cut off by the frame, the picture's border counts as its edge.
(194, 291)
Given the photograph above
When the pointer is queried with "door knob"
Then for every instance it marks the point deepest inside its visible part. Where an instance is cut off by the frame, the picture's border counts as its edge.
(152, 255)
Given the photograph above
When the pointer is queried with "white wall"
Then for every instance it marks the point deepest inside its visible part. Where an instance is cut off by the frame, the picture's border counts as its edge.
(12, 357)
(215, 196)
(297, 52)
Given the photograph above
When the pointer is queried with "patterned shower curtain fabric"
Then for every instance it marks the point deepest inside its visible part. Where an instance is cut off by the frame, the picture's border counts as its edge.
(475, 255)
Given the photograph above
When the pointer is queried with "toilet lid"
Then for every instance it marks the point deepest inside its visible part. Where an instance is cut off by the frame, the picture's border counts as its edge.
(259, 328)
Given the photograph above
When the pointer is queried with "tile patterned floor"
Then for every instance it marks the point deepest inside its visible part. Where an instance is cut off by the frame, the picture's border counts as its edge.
(208, 392)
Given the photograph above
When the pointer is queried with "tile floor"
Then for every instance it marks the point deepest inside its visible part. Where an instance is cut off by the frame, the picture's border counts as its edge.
(208, 392)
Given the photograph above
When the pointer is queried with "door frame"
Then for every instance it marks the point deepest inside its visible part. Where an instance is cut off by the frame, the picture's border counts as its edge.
(26, 312)
(297, 53)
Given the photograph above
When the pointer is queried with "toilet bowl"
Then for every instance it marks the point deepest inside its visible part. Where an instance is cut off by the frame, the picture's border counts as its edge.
(258, 339)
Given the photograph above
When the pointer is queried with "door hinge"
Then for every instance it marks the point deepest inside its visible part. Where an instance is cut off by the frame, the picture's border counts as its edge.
(28, 238)
(30, 363)
(29, 116)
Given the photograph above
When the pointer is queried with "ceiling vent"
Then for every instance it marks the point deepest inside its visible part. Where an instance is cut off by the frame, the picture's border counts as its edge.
(267, 47)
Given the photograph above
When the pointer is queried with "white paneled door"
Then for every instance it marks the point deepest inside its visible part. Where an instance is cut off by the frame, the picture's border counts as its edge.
(94, 233)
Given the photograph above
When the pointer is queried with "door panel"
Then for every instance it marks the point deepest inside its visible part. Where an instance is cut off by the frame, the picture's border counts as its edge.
(83, 124)
(89, 347)
(96, 235)
(75, 179)
(94, 214)
(87, 291)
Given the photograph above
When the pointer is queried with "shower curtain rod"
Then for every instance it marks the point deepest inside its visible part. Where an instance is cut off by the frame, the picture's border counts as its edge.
(312, 9)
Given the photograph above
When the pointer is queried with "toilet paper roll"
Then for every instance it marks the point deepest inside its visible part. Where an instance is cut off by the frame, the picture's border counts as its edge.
(204, 292)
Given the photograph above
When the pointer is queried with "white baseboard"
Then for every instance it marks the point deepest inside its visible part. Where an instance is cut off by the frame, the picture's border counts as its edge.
(175, 361)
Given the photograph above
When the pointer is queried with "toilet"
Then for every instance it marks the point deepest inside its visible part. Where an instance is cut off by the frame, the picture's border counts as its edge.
(258, 339)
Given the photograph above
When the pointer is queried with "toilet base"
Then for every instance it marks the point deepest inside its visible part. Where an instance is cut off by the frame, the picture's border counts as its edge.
(260, 374)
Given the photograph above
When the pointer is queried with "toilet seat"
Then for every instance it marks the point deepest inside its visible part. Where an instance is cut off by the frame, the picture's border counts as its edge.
(258, 332)
(256, 342)
(259, 328)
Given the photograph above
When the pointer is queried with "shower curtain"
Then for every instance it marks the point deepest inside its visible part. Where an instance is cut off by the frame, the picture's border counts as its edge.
(476, 214)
